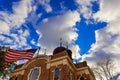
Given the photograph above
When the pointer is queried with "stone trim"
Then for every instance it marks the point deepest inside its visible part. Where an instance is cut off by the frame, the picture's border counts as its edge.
(66, 60)
(36, 58)
(31, 71)
(16, 73)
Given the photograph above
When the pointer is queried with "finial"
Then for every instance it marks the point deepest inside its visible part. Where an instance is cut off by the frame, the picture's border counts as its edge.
(45, 52)
(60, 41)
(67, 44)
(75, 59)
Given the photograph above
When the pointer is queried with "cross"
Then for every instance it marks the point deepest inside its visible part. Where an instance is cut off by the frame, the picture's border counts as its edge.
(60, 41)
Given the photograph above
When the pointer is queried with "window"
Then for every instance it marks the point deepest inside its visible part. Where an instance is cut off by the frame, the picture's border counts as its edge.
(56, 74)
(10, 79)
(16, 78)
(82, 78)
(34, 74)
(70, 76)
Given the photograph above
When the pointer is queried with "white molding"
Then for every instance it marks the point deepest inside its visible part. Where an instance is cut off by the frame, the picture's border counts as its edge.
(31, 71)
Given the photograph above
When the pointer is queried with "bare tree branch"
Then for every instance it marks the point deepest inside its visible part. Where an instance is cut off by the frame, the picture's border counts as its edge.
(103, 69)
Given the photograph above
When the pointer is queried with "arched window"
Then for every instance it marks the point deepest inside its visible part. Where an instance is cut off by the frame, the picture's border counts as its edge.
(10, 79)
(82, 78)
(70, 76)
(34, 74)
(16, 78)
(56, 74)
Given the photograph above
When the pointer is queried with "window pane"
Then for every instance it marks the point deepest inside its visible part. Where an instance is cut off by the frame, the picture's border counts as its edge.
(16, 78)
(56, 74)
(82, 78)
(34, 74)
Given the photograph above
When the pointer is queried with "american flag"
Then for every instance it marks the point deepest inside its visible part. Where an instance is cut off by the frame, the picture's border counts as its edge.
(15, 55)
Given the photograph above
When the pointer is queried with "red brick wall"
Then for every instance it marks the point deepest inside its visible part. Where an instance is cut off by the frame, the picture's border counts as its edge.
(38, 63)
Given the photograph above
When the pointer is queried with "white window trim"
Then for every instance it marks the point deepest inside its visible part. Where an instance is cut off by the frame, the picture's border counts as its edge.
(54, 73)
(70, 75)
(33, 69)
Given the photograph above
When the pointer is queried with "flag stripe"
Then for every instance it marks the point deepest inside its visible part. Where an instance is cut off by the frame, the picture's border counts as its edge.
(11, 56)
(16, 51)
(13, 60)
(8, 59)
(18, 58)
(15, 55)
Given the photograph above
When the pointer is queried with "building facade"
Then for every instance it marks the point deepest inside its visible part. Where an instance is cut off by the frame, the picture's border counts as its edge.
(58, 66)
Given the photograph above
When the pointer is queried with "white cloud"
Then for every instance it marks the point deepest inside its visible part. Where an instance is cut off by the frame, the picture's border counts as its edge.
(55, 28)
(4, 27)
(15, 41)
(107, 39)
(20, 13)
(5, 39)
(25, 33)
(109, 10)
(118, 77)
(46, 5)
(20, 40)
(85, 7)
(33, 42)
(11, 22)
(75, 50)
(45, 20)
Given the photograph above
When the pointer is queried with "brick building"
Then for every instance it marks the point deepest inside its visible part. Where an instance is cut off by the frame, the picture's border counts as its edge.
(58, 66)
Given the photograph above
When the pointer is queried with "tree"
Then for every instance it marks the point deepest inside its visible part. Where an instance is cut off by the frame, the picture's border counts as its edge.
(104, 69)
(5, 68)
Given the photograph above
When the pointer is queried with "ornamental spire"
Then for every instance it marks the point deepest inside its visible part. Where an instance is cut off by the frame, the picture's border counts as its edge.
(45, 52)
(60, 42)
(66, 44)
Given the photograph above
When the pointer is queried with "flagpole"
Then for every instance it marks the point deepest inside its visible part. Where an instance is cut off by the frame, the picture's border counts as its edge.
(36, 57)
(38, 52)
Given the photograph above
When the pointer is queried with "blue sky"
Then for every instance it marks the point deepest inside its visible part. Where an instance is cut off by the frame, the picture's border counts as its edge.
(48, 9)
(91, 27)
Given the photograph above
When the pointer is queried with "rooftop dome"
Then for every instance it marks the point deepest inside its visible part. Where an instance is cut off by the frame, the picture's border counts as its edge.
(59, 49)
(69, 53)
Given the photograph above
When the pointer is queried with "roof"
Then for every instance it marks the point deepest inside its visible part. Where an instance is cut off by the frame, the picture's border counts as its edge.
(58, 50)
(18, 66)
(81, 64)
